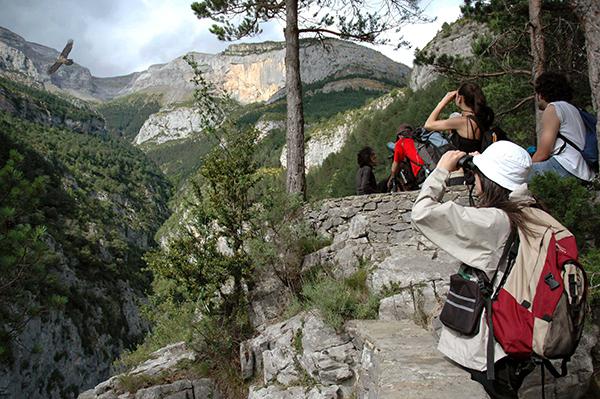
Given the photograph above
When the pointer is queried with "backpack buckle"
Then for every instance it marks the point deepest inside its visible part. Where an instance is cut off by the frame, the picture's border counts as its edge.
(552, 283)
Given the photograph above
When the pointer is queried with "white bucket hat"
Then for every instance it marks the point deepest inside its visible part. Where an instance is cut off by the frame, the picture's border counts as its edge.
(504, 163)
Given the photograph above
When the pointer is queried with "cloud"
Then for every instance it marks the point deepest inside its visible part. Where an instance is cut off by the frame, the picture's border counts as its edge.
(114, 37)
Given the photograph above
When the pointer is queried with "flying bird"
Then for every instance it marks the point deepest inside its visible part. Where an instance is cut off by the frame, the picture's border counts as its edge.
(62, 58)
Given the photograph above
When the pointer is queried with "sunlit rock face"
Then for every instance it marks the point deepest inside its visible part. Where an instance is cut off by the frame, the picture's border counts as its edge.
(248, 72)
(178, 123)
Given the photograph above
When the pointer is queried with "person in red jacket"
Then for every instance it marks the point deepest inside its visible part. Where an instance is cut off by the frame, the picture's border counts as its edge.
(405, 152)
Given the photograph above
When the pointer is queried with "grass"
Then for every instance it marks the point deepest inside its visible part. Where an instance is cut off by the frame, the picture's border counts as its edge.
(337, 300)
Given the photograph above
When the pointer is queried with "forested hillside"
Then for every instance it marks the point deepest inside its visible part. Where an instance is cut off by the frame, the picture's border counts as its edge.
(77, 212)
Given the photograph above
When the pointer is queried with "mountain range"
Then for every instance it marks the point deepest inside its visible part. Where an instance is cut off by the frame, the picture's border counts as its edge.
(248, 72)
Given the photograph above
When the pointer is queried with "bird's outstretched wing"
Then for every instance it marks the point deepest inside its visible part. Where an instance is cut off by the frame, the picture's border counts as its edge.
(67, 49)
(54, 68)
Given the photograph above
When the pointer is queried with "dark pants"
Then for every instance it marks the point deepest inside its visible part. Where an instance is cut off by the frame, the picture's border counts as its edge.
(510, 374)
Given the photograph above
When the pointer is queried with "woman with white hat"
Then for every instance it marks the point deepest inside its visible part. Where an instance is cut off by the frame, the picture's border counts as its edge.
(477, 236)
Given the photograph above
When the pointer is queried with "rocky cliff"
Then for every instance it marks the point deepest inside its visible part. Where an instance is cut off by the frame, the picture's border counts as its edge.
(170, 124)
(330, 137)
(249, 72)
(454, 40)
(252, 73)
(101, 205)
(393, 357)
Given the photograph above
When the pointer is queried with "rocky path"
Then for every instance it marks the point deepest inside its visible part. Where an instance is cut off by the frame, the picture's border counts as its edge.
(399, 361)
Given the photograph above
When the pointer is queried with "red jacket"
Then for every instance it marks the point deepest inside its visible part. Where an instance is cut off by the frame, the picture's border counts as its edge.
(405, 148)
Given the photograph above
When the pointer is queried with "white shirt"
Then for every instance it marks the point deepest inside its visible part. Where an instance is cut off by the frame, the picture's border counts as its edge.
(573, 128)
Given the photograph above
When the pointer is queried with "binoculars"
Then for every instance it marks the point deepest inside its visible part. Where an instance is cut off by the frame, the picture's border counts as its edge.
(466, 162)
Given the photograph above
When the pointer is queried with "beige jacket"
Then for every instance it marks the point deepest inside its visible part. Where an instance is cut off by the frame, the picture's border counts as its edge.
(475, 236)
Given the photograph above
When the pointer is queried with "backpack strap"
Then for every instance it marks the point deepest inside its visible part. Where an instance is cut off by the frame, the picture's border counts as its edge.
(555, 373)
(407, 157)
(566, 141)
(489, 295)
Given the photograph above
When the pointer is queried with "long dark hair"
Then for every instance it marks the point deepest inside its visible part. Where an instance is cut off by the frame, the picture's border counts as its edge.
(495, 196)
(364, 157)
(474, 98)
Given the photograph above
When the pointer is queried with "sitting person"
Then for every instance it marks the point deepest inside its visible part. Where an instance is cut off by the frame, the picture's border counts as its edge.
(365, 178)
(560, 119)
(405, 150)
(475, 117)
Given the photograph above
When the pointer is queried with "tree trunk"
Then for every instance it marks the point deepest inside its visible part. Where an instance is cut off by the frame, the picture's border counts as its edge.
(588, 13)
(536, 37)
(295, 179)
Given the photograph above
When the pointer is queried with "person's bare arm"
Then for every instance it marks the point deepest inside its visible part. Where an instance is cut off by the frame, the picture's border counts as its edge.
(393, 173)
(550, 128)
(433, 123)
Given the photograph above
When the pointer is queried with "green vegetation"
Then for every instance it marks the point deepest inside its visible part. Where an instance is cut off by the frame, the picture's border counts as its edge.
(179, 159)
(79, 201)
(578, 209)
(190, 271)
(337, 300)
(317, 107)
(24, 255)
(28, 99)
(125, 116)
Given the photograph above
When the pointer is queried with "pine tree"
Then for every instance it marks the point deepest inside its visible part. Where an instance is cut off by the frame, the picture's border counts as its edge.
(348, 19)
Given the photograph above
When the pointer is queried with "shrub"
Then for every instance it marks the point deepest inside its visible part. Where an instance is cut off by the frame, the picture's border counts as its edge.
(341, 300)
(571, 204)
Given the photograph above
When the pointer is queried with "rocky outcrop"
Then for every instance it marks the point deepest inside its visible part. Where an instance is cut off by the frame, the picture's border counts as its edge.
(299, 352)
(159, 368)
(37, 111)
(394, 357)
(170, 124)
(249, 72)
(455, 40)
(12, 59)
(329, 137)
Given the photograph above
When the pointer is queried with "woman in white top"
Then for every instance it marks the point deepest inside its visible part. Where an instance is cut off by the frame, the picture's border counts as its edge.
(553, 154)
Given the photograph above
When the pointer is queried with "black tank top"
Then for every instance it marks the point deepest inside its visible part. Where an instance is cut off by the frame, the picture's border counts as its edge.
(466, 144)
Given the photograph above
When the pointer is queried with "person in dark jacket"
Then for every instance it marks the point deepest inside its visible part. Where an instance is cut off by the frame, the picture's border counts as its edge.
(365, 178)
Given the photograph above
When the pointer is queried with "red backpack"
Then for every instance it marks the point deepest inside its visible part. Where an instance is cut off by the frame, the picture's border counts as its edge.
(540, 305)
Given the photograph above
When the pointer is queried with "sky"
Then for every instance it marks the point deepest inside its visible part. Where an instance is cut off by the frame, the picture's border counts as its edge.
(117, 37)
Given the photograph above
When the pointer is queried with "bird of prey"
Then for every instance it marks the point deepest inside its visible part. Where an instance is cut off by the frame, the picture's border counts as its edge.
(62, 58)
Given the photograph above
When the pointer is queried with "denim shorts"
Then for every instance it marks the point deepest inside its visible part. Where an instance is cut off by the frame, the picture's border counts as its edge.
(549, 165)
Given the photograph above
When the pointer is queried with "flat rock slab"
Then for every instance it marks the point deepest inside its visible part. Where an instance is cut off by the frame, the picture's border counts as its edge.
(400, 361)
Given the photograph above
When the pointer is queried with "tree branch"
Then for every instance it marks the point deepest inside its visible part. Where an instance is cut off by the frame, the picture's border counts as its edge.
(517, 106)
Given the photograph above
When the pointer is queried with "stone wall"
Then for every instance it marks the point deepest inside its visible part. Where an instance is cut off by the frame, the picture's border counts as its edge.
(375, 231)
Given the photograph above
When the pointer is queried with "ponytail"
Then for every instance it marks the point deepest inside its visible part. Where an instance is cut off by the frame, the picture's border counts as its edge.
(474, 98)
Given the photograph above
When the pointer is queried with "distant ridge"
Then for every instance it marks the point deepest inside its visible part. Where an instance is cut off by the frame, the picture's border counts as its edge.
(249, 72)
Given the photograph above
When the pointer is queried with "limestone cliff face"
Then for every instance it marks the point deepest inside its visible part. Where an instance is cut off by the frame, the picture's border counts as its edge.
(252, 73)
(456, 40)
(330, 137)
(167, 125)
(249, 72)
